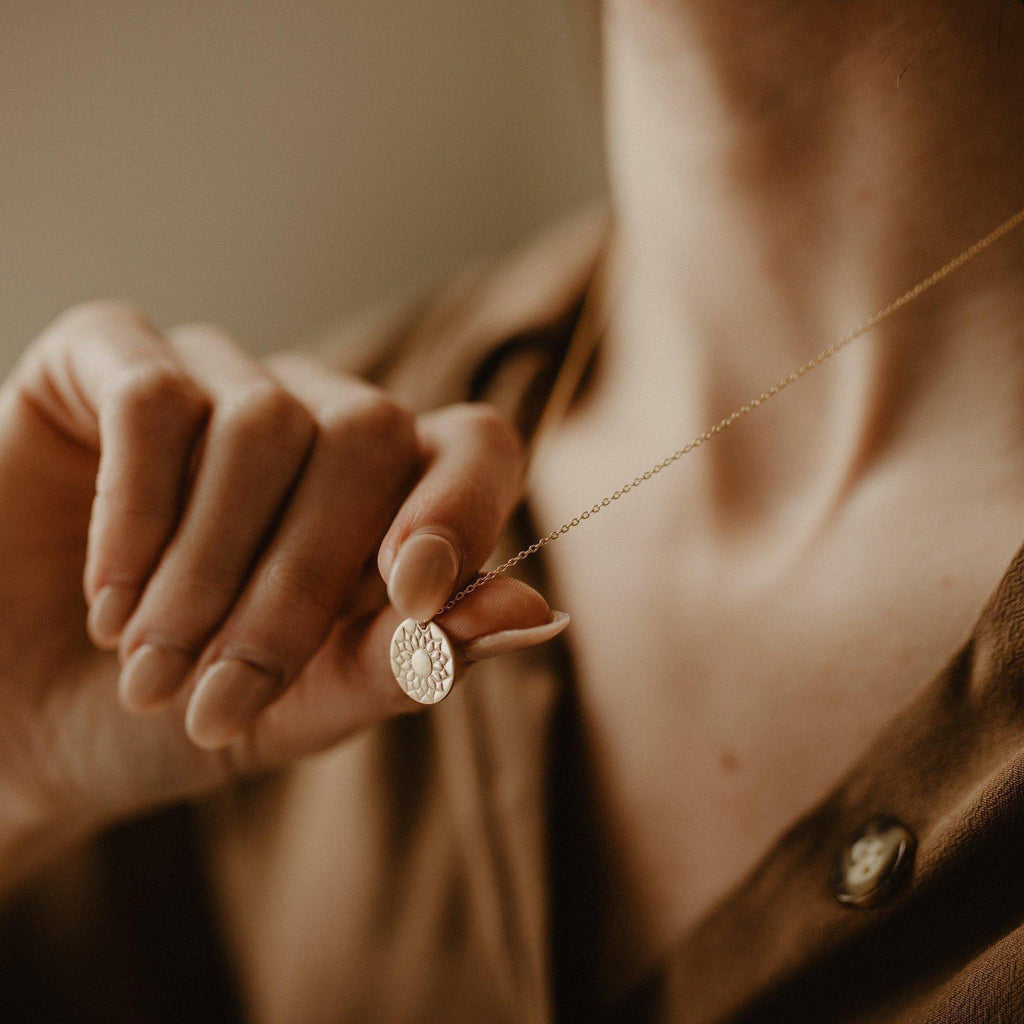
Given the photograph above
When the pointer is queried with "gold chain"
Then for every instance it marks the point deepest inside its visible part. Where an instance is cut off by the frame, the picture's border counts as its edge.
(954, 264)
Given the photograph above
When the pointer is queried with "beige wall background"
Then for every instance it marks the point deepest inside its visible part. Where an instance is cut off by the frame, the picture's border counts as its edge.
(273, 166)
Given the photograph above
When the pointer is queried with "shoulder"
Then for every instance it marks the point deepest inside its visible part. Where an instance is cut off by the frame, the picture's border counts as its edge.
(427, 347)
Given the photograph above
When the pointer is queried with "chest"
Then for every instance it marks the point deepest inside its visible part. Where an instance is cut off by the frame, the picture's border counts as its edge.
(724, 689)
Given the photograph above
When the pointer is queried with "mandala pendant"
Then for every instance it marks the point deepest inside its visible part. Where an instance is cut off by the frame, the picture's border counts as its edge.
(422, 661)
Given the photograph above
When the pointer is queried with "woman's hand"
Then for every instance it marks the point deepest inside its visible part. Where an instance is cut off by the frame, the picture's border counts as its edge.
(233, 524)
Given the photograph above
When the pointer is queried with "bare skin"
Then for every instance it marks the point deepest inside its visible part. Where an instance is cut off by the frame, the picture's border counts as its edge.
(195, 549)
(780, 172)
(782, 591)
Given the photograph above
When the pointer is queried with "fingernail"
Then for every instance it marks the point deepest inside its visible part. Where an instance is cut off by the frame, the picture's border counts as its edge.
(227, 698)
(152, 675)
(508, 640)
(109, 612)
(423, 575)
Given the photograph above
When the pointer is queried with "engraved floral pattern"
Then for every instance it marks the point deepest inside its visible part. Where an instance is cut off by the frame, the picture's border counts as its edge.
(421, 659)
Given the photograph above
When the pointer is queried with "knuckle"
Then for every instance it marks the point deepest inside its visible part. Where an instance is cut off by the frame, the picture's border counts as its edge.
(379, 428)
(98, 313)
(375, 415)
(267, 409)
(298, 582)
(493, 429)
(83, 323)
(155, 391)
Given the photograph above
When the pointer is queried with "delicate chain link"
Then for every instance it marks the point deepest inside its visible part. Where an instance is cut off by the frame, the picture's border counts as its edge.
(882, 314)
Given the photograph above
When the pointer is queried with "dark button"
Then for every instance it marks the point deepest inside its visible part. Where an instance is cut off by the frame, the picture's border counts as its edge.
(874, 862)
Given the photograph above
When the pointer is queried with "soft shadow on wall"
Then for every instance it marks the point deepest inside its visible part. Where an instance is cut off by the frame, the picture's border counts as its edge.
(271, 167)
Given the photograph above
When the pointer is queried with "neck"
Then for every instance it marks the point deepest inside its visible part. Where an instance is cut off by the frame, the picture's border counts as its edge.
(782, 171)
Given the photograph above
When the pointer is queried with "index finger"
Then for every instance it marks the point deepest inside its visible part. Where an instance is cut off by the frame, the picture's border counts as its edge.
(452, 519)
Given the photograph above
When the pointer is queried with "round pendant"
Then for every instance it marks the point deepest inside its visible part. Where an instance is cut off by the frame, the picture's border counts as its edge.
(422, 661)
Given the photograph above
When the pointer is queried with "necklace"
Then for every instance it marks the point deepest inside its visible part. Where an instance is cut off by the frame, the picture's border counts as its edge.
(421, 652)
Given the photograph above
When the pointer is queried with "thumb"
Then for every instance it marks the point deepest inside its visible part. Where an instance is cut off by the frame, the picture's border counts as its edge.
(502, 616)
(349, 683)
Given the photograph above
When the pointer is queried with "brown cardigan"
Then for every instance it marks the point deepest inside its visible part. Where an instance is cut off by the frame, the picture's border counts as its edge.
(440, 867)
